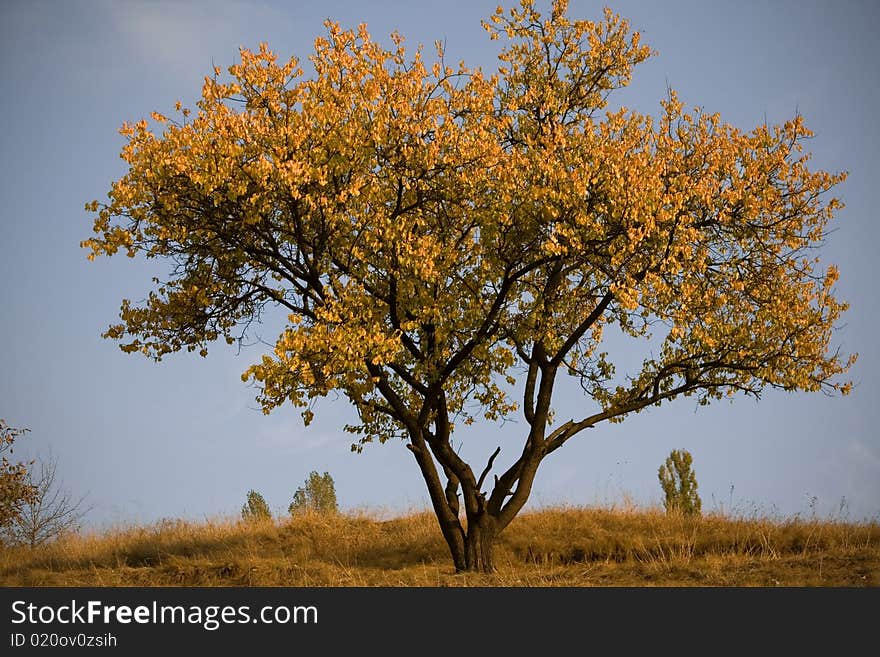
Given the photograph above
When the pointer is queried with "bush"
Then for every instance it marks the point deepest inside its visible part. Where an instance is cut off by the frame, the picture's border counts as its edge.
(16, 490)
(255, 508)
(679, 483)
(318, 494)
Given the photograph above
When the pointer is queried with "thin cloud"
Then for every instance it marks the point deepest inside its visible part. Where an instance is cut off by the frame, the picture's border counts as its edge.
(185, 39)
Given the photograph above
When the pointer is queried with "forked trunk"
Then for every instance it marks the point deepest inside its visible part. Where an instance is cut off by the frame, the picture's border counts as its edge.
(479, 544)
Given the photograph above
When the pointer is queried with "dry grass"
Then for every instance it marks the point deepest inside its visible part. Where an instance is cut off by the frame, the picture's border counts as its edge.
(551, 547)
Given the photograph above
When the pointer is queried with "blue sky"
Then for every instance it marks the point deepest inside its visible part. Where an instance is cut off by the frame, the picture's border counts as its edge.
(185, 438)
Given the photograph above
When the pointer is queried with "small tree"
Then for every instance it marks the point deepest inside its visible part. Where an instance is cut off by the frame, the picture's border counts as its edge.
(255, 508)
(318, 494)
(15, 489)
(679, 484)
(50, 512)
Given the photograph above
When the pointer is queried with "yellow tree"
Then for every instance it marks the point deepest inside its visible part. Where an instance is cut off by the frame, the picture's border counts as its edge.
(439, 237)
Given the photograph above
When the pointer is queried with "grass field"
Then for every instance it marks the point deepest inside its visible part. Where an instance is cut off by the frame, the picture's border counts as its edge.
(550, 547)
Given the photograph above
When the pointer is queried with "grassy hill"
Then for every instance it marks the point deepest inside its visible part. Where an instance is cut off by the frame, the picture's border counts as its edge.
(551, 547)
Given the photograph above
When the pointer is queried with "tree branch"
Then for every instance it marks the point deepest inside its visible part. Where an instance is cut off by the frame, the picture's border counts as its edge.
(582, 328)
(488, 468)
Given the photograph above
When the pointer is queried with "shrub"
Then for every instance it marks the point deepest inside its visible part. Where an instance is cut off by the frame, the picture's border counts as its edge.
(318, 494)
(16, 490)
(255, 508)
(679, 483)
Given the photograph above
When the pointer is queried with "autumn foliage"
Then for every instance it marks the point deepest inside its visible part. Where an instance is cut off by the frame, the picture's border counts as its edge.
(16, 488)
(439, 236)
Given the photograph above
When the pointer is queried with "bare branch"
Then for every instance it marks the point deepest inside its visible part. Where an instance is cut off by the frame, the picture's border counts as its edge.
(51, 513)
(488, 468)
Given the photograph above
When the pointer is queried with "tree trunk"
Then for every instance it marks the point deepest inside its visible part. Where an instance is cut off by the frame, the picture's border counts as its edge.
(479, 543)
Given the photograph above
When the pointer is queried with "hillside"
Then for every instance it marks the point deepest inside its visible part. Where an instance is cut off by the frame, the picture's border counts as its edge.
(551, 547)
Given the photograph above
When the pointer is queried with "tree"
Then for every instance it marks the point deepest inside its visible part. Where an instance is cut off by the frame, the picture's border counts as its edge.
(15, 489)
(679, 484)
(255, 508)
(50, 513)
(318, 494)
(443, 241)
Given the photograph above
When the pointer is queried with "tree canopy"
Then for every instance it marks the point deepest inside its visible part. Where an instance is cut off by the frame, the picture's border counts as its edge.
(439, 236)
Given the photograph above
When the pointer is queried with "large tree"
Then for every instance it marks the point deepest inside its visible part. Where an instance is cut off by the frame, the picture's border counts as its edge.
(439, 237)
